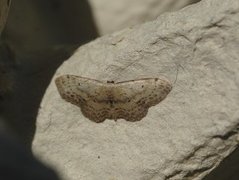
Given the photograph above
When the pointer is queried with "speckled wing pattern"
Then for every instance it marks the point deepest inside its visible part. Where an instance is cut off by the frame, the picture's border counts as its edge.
(129, 100)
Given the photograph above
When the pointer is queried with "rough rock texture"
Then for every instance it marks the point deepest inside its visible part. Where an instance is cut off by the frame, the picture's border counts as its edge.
(111, 16)
(186, 135)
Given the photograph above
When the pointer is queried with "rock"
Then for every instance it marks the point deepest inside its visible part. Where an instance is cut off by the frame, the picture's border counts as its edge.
(185, 136)
(111, 16)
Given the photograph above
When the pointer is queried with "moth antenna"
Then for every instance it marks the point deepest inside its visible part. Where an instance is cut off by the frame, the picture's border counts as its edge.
(176, 78)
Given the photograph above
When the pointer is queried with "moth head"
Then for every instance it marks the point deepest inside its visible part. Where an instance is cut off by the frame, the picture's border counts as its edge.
(110, 82)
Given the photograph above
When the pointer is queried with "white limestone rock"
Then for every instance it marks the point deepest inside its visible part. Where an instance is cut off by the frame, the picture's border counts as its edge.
(186, 135)
(111, 16)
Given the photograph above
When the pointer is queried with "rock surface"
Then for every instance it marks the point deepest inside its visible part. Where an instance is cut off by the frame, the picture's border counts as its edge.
(111, 16)
(185, 136)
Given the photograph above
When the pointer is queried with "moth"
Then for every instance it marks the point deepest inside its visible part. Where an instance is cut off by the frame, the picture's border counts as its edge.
(129, 100)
